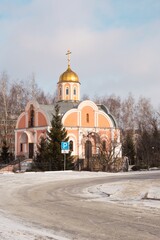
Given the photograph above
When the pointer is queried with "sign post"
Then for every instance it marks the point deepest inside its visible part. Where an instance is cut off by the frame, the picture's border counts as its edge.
(64, 150)
(64, 161)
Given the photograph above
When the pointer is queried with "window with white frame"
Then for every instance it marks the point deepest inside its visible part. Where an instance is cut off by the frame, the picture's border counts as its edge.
(67, 91)
(74, 91)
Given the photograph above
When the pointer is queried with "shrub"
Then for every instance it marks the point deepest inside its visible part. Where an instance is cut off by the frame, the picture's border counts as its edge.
(135, 168)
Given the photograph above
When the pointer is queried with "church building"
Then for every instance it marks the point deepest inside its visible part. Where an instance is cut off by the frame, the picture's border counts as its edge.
(88, 124)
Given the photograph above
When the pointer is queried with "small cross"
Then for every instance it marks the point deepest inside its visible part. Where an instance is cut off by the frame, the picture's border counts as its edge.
(68, 54)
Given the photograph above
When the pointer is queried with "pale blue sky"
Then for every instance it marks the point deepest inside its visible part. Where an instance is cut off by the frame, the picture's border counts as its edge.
(115, 44)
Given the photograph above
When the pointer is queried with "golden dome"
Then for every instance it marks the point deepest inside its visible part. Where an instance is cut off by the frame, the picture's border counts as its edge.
(69, 76)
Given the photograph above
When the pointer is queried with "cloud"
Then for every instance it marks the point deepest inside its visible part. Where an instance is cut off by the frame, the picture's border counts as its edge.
(112, 51)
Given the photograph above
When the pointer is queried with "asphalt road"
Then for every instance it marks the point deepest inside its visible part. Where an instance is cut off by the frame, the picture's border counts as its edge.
(60, 205)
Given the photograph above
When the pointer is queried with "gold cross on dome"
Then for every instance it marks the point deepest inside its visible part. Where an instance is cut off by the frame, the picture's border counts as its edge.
(68, 54)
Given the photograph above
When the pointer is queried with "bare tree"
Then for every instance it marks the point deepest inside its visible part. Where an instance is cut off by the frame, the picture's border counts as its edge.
(143, 113)
(114, 105)
(108, 158)
(36, 93)
(17, 98)
(4, 100)
(148, 143)
(85, 97)
(128, 114)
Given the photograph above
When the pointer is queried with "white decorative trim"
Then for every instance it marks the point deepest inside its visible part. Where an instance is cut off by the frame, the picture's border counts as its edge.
(87, 103)
(19, 118)
(72, 137)
(68, 113)
(32, 102)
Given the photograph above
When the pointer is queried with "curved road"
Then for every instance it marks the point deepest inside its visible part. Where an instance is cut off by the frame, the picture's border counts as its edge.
(54, 203)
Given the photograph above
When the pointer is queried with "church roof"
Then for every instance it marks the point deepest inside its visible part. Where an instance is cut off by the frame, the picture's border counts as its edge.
(64, 107)
(105, 109)
(48, 109)
(67, 105)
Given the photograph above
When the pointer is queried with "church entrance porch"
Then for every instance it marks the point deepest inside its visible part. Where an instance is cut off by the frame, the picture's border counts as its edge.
(31, 150)
(91, 152)
(26, 145)
(88, 153)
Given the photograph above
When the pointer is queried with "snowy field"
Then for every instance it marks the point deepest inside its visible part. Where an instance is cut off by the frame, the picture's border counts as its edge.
(143, 194)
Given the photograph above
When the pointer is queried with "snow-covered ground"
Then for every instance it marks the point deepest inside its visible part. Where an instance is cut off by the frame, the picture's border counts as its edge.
(144, 193)
(14, 229)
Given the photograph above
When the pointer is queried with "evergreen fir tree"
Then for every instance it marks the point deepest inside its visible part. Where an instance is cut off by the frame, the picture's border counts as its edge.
(155, 146)
(5, 152)
(55, 136)
(41, 160)
(129, 147)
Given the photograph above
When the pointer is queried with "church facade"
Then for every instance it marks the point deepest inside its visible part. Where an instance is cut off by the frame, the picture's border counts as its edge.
(88, 124)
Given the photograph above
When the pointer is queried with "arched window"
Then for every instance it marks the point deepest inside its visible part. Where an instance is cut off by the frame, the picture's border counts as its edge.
(104, 145)
(74, 91)
(71, 145)
(31, 123)
(67, 91)
(21, 147)
(87, 118)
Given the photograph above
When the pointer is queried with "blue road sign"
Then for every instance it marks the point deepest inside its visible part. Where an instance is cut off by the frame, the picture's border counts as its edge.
(65, 146)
